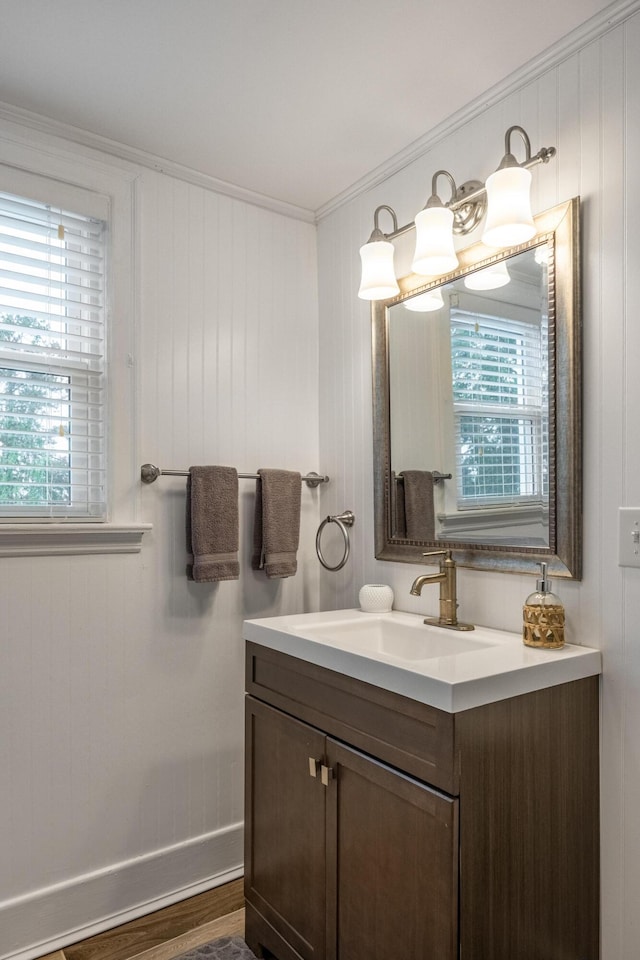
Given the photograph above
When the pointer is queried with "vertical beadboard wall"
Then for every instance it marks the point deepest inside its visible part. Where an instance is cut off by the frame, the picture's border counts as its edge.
(587, 106)
(121, 721)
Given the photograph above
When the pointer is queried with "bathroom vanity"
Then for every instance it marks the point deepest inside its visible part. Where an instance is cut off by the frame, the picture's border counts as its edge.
(412, 793)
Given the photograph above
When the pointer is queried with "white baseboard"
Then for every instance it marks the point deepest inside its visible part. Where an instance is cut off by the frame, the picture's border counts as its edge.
(54, 917)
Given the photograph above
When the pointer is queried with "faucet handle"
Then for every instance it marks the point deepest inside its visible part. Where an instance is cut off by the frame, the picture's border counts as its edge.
(438, 553)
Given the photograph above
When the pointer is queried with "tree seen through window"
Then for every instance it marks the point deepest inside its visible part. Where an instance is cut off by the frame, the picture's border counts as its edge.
(34, 423)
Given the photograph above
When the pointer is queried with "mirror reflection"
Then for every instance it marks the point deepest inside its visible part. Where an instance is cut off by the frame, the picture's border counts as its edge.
(476, 407)
(474, 354)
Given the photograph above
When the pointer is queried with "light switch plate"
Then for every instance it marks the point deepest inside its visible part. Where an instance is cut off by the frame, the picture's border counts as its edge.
(629, 537)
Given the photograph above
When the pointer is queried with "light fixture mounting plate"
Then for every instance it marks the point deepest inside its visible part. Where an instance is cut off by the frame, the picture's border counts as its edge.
(469, 206)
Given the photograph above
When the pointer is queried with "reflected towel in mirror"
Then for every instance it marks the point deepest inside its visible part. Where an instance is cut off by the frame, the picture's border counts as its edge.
(417, 500)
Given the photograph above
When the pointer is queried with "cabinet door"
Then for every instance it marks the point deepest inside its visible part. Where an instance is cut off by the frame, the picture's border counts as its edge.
(285, 828)
(392, 863)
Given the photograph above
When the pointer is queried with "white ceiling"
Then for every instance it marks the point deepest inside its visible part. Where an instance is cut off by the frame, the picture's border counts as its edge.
(292, 99)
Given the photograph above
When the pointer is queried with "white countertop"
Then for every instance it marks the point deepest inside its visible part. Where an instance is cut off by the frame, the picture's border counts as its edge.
(492, 664)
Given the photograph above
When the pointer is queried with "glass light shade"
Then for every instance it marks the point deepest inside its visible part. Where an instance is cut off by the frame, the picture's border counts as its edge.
(509, 217)
(425, 302)
(378, 280)
(494, 276)
(434, 254)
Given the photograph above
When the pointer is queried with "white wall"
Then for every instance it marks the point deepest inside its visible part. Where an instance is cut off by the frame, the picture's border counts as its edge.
(121, 684)
(586, 105)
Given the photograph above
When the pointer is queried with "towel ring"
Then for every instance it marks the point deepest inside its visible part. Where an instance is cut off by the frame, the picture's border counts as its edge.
(344, 520)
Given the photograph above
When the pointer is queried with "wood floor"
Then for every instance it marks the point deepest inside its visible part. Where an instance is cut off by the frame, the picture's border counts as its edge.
(169, 932)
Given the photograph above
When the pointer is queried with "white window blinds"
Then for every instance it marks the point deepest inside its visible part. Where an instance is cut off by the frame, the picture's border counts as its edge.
(500, 399)
(52, 362)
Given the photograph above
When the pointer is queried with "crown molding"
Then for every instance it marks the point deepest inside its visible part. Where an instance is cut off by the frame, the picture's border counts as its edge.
(591, 30)
(141, 158)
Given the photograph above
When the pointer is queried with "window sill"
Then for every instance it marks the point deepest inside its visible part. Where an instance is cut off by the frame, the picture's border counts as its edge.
(52, 539)
(487, 518)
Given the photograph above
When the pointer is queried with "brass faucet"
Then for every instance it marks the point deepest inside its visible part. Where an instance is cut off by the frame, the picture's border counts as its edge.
(448, 599)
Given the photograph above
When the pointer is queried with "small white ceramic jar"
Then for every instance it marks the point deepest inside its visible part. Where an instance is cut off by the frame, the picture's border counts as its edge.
(376, 598)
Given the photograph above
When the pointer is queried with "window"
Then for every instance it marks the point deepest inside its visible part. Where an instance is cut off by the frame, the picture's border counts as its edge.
(500, 400)
(52, 362)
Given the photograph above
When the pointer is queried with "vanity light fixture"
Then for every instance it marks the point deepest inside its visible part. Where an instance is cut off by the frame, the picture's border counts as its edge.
(504, 198)
(435, 253)
(509, 217)
(378, 280)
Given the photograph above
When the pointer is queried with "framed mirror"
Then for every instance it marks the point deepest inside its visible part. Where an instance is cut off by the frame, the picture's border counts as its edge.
(476, 407)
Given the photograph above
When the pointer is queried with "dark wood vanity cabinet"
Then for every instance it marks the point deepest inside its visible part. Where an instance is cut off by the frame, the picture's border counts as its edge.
(341, 842)
(379, 827)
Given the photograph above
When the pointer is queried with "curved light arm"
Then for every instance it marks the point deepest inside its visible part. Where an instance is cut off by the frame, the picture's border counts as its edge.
(509, 160)
(434, 200)
(377, 233)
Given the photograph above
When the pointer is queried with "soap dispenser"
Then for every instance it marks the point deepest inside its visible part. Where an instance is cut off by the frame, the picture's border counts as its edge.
(543, 616)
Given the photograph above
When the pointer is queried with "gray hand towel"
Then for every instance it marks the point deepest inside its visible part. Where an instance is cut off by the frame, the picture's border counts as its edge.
(418, 504)
(212, 524)
(276, 531)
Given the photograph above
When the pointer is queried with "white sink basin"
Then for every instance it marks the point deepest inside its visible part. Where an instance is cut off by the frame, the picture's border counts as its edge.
(398, 651)
(382, 636)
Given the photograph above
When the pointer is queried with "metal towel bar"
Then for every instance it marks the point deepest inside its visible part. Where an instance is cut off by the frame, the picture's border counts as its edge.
(149, 473)
(437, 476)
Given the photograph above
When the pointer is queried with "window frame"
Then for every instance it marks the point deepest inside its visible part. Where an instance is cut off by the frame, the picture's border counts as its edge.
(76, 183)
(84, 334)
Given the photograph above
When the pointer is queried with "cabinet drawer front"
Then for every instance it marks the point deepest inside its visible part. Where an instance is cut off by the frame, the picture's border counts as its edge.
(411, 736)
